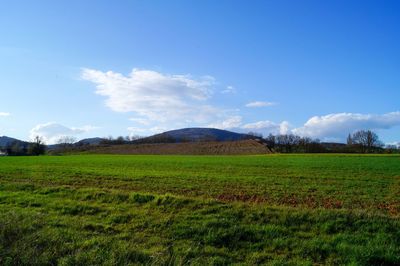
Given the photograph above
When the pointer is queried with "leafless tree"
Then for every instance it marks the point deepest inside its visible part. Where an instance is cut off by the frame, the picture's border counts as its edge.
(37, 147)
(367, 140)
(349, 140)
(66, 140)
(392, 148)
(287, 142)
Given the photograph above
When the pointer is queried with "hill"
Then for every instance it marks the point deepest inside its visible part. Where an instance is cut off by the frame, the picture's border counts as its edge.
(89, 141)
(195, 135)
(6, 141)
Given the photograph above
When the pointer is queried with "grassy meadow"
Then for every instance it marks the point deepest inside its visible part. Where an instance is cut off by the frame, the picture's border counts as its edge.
(200, 210)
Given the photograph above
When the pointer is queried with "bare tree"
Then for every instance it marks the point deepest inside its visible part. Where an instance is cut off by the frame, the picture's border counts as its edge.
(286, 143)
(271, 141)
(390, 148)
(135, 137)
(37, 147)
(349, 140)
(367, 140)
(65, 142)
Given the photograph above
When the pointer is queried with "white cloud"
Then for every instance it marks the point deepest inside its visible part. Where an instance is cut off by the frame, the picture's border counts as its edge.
(52, 132)
(337, 126)
(137, 131)
(4, 114)
(394, 143)
(141, 121)
(229, 123)
(155, 96)
(229, 90)
(284, 128)
(157, 130)
(259, 104)
(264, 127)
(267, 127)
(332, 127)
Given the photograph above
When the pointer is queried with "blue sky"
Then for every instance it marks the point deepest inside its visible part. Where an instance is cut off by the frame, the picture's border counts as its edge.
(98, 68)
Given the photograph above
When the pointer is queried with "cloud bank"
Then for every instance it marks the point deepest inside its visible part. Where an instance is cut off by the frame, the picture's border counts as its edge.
(52, 132)
(329, 127)
(340, 124)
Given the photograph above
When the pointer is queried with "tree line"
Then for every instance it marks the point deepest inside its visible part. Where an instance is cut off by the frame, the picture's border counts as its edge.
(362, 141)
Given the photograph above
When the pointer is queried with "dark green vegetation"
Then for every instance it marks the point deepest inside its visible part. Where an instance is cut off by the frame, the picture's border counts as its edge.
(274, 209)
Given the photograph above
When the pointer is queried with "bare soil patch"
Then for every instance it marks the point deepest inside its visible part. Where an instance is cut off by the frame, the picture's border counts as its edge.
(242, 147)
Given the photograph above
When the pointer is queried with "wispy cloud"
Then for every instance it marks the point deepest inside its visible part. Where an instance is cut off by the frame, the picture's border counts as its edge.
(4, 114)
(136, 131)
(141, 121)
(139, 131)
(229, 90)
(259, 104)
(229, 123)
(51, 132)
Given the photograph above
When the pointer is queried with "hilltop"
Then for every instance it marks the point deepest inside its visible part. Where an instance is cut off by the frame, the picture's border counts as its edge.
(195, 135)
(8, 141)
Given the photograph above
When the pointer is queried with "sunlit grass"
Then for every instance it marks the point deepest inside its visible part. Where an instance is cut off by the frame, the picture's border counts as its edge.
(275, 209)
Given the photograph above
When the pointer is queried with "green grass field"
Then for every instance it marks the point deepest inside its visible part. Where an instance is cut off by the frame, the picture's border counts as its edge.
(197, 210)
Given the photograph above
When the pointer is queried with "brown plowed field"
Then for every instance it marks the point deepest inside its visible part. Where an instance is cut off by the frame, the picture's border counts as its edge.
(242, 147)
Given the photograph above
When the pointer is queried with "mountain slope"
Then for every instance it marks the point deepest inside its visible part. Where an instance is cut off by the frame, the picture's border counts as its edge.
(6, 141)
(89, 141)
(195, 135)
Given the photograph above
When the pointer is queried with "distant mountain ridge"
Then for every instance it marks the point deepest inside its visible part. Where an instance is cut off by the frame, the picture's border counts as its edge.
(6, 141)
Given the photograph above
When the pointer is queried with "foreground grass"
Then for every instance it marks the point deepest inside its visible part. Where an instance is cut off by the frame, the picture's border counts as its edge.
(277, 209)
